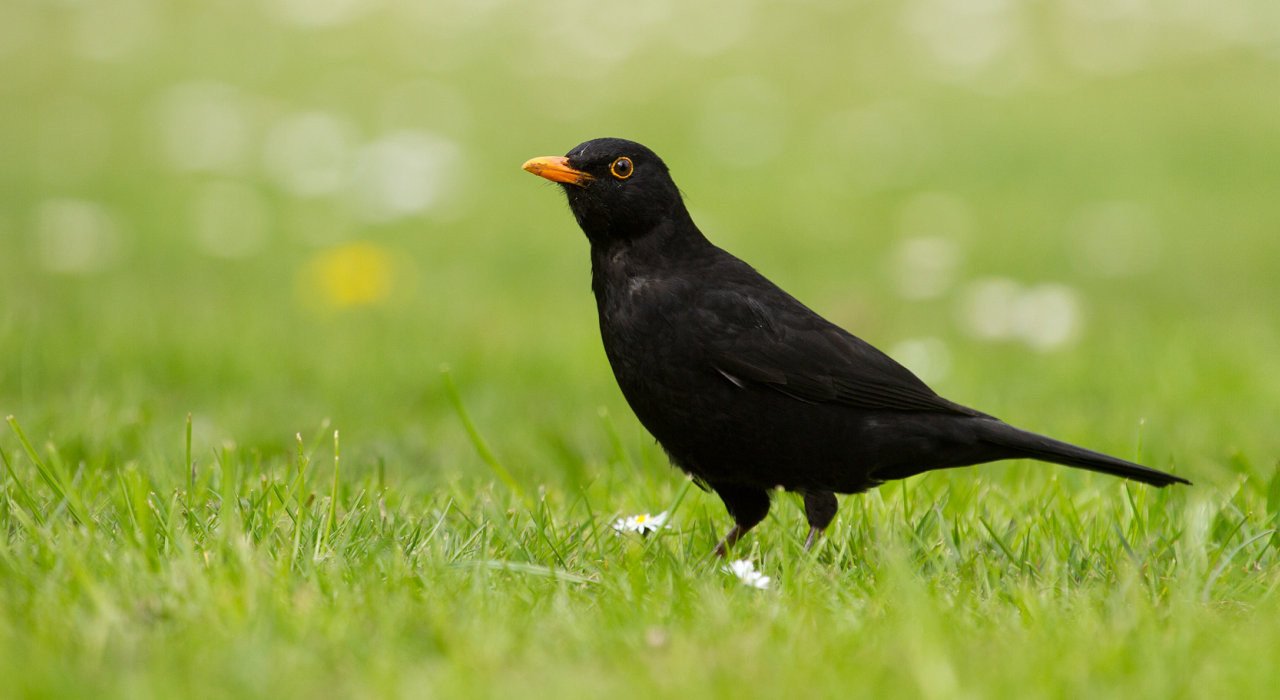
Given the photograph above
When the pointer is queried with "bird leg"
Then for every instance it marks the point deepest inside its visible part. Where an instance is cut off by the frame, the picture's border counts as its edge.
(748, 507)
(729, 540)
(820, 509)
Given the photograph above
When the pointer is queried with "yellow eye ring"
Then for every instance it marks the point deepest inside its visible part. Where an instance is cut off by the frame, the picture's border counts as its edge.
(622, 168)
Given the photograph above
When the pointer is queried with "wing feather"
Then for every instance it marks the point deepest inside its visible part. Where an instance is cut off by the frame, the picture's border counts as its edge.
(779, 343)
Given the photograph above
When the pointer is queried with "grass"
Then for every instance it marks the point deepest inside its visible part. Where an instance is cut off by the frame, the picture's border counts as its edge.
(253, 575)
(235, 467)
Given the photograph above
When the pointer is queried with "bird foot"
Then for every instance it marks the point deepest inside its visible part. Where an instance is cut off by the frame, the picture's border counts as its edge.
(722, 549)
(814, 535)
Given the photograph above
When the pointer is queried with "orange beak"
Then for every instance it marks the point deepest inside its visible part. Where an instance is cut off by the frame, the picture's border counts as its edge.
(556, 169)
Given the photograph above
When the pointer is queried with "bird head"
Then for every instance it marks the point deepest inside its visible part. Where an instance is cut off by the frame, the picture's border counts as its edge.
(618, 189)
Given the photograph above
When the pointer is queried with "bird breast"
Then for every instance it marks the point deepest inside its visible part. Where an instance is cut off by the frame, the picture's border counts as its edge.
(637, 285)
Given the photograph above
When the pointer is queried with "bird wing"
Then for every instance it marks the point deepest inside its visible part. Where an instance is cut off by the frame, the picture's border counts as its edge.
(766, 337)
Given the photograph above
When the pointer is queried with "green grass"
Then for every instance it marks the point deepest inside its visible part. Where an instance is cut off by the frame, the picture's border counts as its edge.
(164, 530)
(246, 576)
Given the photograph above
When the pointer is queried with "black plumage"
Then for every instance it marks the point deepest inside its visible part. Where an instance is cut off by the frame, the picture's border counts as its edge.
(746, 388)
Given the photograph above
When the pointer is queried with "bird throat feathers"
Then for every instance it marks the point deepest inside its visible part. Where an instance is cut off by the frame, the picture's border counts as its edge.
(612, 214)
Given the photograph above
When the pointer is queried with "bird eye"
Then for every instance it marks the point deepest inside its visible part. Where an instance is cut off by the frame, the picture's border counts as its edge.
(622, 168)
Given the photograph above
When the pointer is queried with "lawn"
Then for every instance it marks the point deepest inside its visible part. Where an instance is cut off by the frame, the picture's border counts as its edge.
(307, 396)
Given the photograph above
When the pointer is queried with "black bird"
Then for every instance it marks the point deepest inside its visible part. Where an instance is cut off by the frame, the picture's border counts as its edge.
(746, 388)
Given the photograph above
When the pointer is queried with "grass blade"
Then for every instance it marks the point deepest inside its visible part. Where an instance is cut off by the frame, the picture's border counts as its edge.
(478, 442)
(45, 471)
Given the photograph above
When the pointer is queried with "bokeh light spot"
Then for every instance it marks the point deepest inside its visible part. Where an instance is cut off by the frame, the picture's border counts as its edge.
(108, 30)
(351, 275)
(405, 173)
(924, 267)
(988, 308)
(1107, 36)
(320, 13)
(1049, 316)
(963, 36)
(309, 154)
(76, 236)
(927, 357)
(204, 127)
(1044, 316)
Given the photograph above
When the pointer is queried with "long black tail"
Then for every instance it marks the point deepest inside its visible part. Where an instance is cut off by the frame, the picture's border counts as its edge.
(1021, 443)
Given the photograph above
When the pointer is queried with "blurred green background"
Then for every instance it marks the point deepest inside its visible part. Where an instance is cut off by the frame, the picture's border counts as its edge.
(271, 213)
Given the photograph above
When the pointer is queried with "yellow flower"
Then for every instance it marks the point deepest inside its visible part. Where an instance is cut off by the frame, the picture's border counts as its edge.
(355, 274)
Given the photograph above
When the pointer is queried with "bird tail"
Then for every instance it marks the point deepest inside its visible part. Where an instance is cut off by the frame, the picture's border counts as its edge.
(1021, 443)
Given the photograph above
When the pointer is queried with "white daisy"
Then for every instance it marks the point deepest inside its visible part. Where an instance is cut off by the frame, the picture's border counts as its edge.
(642, 523)
(746, 572)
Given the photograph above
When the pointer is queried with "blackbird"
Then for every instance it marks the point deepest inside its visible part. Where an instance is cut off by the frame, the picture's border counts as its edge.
(746, 388)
